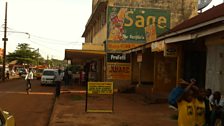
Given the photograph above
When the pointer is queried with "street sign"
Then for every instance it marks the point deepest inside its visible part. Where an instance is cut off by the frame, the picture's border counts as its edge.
(100, 97)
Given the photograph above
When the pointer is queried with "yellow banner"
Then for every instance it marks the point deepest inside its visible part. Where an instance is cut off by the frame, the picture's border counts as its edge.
(100, 87)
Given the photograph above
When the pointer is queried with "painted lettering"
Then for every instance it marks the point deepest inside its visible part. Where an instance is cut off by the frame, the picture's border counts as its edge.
(151, 20)
(140, 21)
(162, 22)
(130, 20)
(120, 69)
(118, 57)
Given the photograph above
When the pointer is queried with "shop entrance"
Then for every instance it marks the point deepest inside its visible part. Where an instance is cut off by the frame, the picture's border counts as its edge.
(194, 62)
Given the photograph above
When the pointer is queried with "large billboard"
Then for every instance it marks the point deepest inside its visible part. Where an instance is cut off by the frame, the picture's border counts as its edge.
(136, 25)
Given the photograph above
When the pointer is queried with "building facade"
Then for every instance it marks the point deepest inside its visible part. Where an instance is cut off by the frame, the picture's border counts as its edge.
(118, 25)
(192, 49)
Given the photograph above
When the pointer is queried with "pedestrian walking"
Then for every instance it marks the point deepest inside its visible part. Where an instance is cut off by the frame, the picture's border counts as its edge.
(28, 78)
(58, 79)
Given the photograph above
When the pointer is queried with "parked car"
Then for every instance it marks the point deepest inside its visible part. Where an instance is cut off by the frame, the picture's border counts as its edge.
(39, 73)
(48, 76)
(6, 119)
(22, 72)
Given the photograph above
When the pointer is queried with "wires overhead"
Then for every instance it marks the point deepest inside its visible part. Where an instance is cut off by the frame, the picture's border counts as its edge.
(47, 46)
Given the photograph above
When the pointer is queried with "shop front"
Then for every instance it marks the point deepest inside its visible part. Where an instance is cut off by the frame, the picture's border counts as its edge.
(90, 64)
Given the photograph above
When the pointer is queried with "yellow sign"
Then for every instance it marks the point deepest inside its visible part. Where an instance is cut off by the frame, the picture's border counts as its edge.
(119, 71)
(121, 46)
(100, 87)
(158, 46)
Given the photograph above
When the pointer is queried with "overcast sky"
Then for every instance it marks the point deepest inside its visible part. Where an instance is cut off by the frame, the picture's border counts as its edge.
(53, 25)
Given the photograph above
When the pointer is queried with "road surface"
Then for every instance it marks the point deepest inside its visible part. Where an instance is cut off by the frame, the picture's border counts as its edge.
(29, 110)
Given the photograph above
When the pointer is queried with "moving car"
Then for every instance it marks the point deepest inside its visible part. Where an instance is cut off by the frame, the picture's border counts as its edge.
(48, 76)
(6, 119)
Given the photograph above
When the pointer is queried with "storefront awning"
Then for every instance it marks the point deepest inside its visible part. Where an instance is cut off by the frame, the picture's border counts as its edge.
(81, 56)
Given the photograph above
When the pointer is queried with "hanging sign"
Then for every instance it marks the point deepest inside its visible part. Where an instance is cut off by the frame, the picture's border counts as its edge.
(170, 50)
(157, 46)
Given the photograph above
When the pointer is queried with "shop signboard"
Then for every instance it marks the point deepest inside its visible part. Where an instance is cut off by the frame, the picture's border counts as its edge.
(170, 50)
(134, 24)
(118, 71)
(100, 87)
(119, 46)
(118, 57)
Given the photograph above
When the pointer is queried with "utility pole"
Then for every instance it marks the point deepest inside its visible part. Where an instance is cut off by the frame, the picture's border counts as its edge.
(4, 39)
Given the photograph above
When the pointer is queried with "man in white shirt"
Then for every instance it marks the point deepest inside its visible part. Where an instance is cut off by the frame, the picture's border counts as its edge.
(28, 78)
(58, 79)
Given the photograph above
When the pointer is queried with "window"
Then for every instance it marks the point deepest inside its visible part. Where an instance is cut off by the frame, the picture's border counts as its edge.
(49, 73)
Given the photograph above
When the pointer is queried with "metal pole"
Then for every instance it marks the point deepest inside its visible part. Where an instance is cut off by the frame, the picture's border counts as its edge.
(4, 39)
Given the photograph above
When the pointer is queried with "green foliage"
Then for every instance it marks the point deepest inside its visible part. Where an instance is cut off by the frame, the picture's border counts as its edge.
(55, 62)
(25, 55)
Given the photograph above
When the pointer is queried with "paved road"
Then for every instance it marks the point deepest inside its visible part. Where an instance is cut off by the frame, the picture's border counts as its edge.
(28, 110)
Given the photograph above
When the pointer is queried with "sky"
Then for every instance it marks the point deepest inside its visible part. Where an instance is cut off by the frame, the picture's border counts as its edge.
(52, 25)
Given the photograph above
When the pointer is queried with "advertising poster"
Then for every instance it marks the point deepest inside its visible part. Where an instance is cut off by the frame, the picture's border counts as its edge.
(136, 24)
(100, 87)
(118, 71)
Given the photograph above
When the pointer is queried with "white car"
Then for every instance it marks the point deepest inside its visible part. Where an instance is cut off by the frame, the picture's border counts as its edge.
(48, 76)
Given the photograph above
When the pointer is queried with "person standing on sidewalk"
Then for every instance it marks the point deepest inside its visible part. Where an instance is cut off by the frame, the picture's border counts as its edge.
(58, 79)
(28, 78)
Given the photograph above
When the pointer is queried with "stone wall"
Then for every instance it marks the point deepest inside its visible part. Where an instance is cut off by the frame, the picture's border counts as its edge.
(94, 2)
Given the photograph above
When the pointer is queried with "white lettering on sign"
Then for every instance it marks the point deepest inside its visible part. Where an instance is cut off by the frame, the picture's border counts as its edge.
(118, 57)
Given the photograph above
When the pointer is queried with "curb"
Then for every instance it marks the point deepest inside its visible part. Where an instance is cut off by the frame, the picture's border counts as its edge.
(12, 79)
(52, 111)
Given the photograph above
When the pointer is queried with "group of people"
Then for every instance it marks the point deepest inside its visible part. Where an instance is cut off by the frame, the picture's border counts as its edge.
(195, 106)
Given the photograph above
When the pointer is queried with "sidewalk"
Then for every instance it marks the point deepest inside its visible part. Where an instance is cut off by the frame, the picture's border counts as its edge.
(11, 78)
(129, 110)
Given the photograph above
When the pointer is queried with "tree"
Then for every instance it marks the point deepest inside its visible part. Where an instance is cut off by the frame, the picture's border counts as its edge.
(25, 55)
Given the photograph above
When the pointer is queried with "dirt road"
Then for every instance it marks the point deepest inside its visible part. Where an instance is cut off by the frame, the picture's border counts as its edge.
(28, 110)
